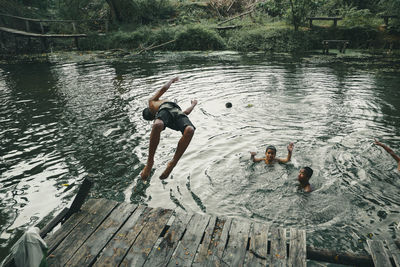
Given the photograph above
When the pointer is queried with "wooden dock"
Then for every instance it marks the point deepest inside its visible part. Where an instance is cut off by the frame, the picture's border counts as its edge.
(107, 233)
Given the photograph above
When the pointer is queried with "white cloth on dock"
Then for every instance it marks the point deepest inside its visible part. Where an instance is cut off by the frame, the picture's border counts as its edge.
(30, 250)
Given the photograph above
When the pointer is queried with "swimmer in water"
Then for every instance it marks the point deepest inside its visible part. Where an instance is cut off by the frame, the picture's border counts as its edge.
(390, 151)
(167, 114)
(304, 178)
(270, 154)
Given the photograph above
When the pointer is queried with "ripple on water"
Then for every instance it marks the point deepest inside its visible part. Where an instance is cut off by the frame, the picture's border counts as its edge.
(79, 115)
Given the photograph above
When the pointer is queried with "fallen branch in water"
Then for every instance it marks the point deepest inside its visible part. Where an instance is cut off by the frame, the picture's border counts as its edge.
(231, 27)
(235, 17)
(156, 46)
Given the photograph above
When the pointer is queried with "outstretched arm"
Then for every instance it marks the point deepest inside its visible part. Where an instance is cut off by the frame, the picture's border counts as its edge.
(160, 92)
(189, 109)
(252, 157)
(388, 149)
(289, 155)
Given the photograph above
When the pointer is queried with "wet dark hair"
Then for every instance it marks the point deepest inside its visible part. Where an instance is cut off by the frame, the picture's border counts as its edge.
(270, 147)
(308, 171)
(147, 115)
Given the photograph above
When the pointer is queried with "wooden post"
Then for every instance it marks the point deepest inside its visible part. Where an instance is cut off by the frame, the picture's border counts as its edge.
(2, 45)
(325, 47)
(334, 22)
(41, 27)
(106, 26)
(79, 198)
(310, 23)
(27, 25)
(29, 43)
(386, 19)
(16, 44)
(44, 43)
(73, 27)
(76, 43)
(344, 47)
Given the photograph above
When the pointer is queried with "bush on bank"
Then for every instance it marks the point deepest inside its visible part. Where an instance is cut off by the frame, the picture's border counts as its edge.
(260, 38)
(190, 37)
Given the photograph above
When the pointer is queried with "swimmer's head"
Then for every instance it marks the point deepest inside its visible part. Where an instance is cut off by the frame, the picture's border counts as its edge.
(305, 175)
(147, 115)
(270, 153)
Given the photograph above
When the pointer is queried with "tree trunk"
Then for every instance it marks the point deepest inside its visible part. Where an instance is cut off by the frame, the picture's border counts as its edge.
(294, 16)
(121, 10)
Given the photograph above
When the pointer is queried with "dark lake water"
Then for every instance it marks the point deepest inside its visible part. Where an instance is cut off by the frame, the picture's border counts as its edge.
(68, 115)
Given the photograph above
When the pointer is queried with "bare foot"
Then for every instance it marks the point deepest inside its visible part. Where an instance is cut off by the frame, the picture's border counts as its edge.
(168, 170)
(146, 171)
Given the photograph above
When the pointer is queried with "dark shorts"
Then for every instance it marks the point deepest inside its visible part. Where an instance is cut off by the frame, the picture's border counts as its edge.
(173, 117)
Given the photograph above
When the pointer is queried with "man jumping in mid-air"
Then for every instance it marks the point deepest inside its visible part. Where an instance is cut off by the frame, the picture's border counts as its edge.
(167, 114)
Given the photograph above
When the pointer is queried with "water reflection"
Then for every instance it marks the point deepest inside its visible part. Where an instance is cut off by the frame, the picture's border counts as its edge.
(79, 115)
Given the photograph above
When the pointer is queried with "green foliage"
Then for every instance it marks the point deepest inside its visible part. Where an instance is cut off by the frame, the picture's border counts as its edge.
(163, 35)
(199, 37)
(299, 9)
(357, 17)
(390, 7)
(272, 8)
(81, 9)
(190, 12)
(274, 40)
(152, 10)
(140, 11)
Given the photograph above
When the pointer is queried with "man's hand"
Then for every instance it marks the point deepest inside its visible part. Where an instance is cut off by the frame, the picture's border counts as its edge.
(189, 109)
(290, 147)
(168, 84)
(376, 142)
(252, 154)
(164, 89)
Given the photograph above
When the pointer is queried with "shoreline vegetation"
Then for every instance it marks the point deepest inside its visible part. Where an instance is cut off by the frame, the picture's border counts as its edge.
(237, 25)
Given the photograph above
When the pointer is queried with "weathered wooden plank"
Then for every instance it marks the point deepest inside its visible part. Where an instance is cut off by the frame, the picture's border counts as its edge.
(378, 253)
(394, 252)
(278, 247)
(235, 250)
(204, 248)
(324, 18)
(30, 34)
(144, 243)
(53, 223)
(186, 249)
(80, 197)
(55, 239)
(88, 252)
(297, 248)
(258, 249)
(163, 253)
(115, 250)
(81, 232)
(218, 242)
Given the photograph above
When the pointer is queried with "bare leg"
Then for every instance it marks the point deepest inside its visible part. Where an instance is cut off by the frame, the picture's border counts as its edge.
(158, 126)
(182, 145)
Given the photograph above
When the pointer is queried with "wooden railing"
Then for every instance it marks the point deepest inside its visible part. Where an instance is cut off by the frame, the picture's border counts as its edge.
(387, 17)
(43, 25)
(335, 19)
